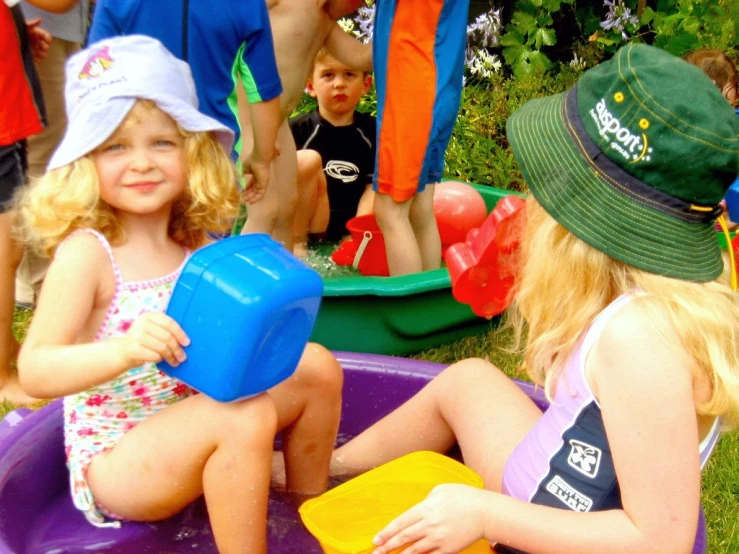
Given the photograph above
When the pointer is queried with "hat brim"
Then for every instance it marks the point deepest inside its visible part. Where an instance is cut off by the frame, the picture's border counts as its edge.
(571, 187)
(88, 130)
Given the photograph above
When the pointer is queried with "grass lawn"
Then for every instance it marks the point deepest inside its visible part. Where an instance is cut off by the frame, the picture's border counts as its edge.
(720, 480)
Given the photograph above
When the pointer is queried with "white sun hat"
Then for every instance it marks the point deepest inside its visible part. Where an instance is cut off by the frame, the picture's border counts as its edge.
(105, 80)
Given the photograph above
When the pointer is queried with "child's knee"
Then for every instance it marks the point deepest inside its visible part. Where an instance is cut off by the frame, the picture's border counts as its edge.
(251, 421)
(470, 370)
(309, 162)
(388, 211)
(319, 370)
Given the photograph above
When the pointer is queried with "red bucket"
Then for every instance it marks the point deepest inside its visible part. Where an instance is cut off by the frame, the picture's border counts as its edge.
(365, 250)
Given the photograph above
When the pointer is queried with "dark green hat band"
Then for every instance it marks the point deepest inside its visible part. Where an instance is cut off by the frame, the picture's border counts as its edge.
(623, 182)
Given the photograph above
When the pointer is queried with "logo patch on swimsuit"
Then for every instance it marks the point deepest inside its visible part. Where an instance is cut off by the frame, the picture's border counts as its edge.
(346, 172)
(633, 146)
(97, 64)
(569, 496)
(584, 458)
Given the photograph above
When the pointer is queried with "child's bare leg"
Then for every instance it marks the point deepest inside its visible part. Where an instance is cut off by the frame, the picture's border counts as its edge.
(193, 447)
(10, 256)
(393, 218)
(366, 202)
(319, 223)
(471, 402)
(309, 409)
(311, 215)
(273, 214)
(425, 228)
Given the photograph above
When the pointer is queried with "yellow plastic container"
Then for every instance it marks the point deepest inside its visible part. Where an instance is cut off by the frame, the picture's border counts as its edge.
(347, 518)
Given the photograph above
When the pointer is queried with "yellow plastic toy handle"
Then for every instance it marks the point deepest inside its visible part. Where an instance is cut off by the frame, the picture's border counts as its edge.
(732, 261)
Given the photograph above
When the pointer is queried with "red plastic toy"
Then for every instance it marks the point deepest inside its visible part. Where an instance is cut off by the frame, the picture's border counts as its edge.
(484, 267)
(365, 250)
(458, 207)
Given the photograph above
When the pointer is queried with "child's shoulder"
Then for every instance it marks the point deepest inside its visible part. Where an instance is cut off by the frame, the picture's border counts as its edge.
(642, 318)
(83, 247)
(640, 342)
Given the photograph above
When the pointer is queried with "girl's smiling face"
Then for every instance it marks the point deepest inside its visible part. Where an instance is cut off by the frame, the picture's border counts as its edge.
(141, 167)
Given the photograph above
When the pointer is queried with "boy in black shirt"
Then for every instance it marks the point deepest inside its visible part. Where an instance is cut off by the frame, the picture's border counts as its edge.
(336, 153)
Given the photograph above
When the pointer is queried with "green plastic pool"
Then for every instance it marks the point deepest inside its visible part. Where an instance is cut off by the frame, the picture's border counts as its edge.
(397, 315)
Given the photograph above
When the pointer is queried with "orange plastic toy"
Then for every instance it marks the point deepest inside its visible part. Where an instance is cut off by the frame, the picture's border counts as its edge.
(484, 267)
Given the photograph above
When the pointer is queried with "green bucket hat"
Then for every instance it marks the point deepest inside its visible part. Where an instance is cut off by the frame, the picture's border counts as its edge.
(634, 160)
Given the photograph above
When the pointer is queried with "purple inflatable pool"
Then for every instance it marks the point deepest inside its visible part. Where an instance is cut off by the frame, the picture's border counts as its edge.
(37, 515)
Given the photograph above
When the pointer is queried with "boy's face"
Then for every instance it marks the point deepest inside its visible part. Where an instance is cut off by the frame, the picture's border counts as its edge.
(337, 87)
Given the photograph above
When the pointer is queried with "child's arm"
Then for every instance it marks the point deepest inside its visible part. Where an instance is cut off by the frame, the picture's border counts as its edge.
(53, 6)
(263, 86)
(348, 50)
(55, 359)
(265, 120)
(645, 389)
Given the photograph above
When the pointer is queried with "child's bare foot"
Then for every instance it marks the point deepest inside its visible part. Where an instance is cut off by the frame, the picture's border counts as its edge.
(300, 249)
(11, 391)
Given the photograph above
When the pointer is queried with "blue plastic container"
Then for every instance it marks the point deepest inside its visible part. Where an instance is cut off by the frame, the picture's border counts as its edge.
(248, 306)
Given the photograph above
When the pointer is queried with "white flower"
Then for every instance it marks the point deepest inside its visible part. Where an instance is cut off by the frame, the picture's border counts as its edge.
(577, 63)
(346, 24)
(481, 63)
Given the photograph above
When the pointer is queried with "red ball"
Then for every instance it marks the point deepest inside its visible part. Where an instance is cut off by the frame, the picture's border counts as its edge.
(458, 208)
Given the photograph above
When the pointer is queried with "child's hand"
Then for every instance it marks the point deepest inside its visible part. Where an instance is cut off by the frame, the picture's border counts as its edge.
(154, 337)
(256, 176)
(39, 39)
(450, 519)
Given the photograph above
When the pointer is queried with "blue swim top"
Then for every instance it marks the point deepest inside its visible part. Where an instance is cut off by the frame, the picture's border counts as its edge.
(224, 43)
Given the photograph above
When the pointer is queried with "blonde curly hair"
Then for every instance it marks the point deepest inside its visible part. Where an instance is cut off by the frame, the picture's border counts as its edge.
(68, 198)
(586, 281)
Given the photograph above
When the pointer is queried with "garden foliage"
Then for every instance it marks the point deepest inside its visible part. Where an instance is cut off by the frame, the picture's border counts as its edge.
(523, 49)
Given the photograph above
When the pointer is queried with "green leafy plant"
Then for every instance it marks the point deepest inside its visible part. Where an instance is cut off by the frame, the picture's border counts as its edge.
(530, 29)
(683, 25)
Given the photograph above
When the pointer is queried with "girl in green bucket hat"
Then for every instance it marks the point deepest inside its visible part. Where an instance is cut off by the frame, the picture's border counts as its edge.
(632, 330)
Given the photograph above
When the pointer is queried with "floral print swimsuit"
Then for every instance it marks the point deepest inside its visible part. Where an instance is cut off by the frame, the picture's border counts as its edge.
(96, 419)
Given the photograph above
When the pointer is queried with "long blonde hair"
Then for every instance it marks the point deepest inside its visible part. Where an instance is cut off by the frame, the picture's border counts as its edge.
(68, 198)
(565, 284)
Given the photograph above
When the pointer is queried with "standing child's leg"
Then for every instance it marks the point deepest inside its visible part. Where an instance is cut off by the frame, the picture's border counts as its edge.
(193, 447)
(12, 176)
(33, 267)
(419, 58)
(274, 212)
(425, 228)
(10, 254)
(404, 49)
(401, 247)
